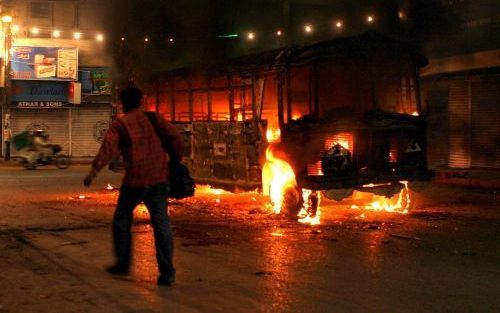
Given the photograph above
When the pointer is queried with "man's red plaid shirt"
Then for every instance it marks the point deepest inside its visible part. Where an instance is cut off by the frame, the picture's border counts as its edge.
(146, 162)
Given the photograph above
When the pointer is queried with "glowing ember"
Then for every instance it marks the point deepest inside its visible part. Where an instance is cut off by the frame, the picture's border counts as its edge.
(217, 191)
(400, 203)
(277, 178)
(277, 234)
(82, 197)
(310, 213)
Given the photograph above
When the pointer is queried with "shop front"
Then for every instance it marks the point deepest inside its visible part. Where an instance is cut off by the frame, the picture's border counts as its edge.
(47, 105)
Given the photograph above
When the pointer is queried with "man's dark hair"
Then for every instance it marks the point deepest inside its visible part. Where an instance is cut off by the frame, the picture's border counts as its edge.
(131, 98)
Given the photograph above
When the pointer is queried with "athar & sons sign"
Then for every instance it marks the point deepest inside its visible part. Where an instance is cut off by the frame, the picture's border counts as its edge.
(38, 94)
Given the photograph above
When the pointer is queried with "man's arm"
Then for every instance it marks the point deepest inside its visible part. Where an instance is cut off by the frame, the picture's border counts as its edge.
(108, 149)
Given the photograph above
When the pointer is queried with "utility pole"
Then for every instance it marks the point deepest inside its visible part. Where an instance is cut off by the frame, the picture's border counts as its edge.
(5, 72)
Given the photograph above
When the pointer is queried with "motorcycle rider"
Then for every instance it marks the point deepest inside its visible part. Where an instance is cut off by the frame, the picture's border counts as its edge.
(42, 148)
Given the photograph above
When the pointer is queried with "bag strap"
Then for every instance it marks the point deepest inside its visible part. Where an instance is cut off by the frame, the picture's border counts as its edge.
(154, 122)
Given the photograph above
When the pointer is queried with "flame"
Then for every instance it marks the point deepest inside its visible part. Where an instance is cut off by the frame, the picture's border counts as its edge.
(381, 203)
(82, 197)
(109, 187)
(277, 178)
(415, 113)
(310, 213)
(273, 135)
(142, 209)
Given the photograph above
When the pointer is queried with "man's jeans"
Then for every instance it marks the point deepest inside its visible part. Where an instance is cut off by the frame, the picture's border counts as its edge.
(155, 199)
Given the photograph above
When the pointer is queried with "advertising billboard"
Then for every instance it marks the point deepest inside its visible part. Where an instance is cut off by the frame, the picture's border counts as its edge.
(44, 63)
(40, 94)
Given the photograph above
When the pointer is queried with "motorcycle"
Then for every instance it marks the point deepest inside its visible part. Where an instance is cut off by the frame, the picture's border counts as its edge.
(53, 157)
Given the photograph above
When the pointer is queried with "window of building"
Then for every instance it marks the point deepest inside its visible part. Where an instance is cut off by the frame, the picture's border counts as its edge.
(41, 10)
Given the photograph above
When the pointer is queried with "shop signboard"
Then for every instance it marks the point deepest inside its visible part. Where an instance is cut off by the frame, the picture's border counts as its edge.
(44, 63)
(95, 80)
(40, 94)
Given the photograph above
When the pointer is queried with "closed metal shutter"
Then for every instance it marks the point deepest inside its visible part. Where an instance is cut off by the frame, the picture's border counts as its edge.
(459, 125)
(485, 98)
(88, 127)
(437, 127)
(54, 121)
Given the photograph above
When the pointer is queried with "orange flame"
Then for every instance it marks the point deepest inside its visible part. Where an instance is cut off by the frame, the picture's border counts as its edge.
(381, 203)
(273, 135)
(142, 209)
(277, 178)
(308, 214)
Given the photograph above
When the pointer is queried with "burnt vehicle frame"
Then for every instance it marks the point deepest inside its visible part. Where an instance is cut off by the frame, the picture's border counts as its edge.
(363, 87)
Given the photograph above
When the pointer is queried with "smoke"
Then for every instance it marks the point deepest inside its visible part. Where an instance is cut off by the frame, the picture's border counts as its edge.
(179, 33)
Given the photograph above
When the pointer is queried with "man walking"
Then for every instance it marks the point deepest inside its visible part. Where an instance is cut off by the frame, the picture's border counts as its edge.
(141, 144)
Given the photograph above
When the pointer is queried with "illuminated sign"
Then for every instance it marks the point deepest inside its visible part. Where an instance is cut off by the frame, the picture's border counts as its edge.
(40, 94)
(44, 63)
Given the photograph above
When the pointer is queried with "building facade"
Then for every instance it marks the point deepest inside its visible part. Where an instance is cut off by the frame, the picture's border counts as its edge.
(57, 74)
(461, 87)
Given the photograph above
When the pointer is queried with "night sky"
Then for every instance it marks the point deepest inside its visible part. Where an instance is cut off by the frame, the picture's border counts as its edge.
(438, 27)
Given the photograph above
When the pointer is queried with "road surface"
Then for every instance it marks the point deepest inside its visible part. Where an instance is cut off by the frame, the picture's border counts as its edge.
(233, 255)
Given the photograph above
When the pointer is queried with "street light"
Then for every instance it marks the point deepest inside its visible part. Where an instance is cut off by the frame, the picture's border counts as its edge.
(56, 33)
(7, 19)
(308, 29)
(35, 30)
(15, 28)
(251, 36)
(370, 19)
(99, 37)
(77, 35)
(339, 24)
(279, 33)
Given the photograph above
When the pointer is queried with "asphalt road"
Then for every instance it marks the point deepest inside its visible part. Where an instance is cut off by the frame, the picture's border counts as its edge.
(233, 255)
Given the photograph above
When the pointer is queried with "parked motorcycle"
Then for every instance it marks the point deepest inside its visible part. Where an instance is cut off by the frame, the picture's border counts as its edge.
(53, 157)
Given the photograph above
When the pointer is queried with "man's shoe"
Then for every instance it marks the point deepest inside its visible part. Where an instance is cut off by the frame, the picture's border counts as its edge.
(165, 280)
(117, 270)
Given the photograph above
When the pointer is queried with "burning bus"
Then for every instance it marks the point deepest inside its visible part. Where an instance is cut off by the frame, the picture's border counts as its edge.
(341, 114)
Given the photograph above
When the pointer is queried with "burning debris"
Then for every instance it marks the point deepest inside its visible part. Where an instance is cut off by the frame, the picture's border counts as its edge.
(279, 183)
(399, 203)
(310, 213)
